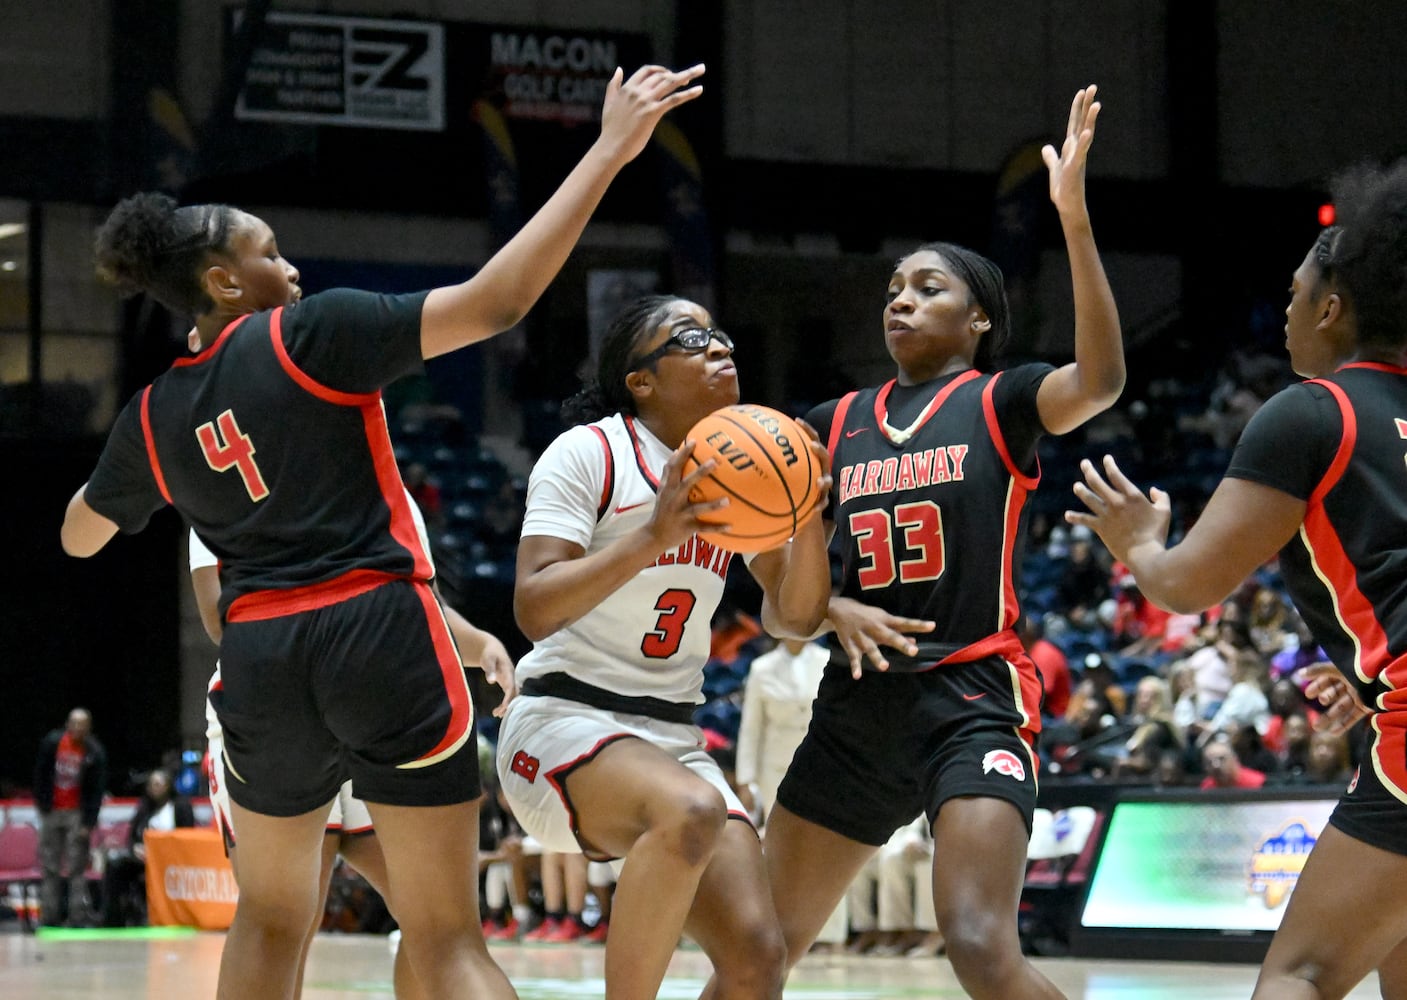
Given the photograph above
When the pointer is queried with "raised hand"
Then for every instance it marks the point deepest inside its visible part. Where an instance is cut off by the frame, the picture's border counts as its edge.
(634, 107)
(1118, 512)
(1067, 166)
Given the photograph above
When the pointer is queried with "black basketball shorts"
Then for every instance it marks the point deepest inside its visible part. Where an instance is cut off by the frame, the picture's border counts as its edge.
(1374, 809)
(882, 749)
(369, 688)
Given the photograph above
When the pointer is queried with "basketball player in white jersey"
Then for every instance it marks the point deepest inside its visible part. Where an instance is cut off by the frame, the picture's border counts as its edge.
(614, 586)
(349, 828)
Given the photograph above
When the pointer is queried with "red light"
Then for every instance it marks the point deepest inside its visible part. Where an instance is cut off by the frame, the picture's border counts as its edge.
(1326, 214)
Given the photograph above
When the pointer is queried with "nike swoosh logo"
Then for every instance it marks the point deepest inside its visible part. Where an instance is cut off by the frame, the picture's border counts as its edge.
(851, 434)
(632, 506)
(974, 697)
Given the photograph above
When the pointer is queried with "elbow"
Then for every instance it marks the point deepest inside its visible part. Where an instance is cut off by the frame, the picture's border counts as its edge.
(531, 622)
(793, 624)
(1108, 387)
(73, 544)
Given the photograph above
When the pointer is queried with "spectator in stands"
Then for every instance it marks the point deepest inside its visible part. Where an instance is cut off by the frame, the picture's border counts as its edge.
(1211, 666)
(1156, 734)
(124, 876)
(1051, 664)
(781, 684)
(1074, 743)
(1084, 582)
(563, 899)
(1099, 672)
(1269, 622)
(504, 864)
(70, 779)
(1245, 703)
(1223, 768)
(1170, 771)
(1287, 702)
(1292, 750)
(1139, 625)
(1250, 748)
(1328, 759)
(1182, 688)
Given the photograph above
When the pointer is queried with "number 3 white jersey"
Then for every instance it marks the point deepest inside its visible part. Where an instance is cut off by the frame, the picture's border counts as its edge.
(594, 484)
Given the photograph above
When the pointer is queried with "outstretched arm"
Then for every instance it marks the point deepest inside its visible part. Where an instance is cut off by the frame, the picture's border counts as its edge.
(503, 291)
(1076, 392)
(1243, 525)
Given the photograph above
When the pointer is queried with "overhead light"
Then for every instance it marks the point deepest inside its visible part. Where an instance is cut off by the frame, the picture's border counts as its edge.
(8, 265)
(8, 229)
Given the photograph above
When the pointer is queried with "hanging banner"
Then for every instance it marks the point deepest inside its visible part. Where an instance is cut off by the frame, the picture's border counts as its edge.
(363, 72)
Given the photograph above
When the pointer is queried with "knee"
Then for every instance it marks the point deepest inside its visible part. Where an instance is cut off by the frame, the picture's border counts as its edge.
(280, 916)
(755, 961)
(983, 950)
(692, 822)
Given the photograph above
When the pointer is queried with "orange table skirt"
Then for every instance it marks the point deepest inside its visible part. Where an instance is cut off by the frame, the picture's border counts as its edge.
(189, 879)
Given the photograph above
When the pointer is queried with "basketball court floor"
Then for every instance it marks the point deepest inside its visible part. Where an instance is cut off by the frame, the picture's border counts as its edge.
(358, 967)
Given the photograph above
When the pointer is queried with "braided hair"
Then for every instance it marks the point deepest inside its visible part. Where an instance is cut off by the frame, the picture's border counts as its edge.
(987, 288)
(1364, 256)
(607, 393)
(150, 245)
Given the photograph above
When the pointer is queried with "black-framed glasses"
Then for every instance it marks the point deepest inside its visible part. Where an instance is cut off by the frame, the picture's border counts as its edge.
(692, 339)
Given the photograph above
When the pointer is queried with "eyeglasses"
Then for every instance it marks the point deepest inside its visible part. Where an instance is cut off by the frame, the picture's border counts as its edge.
(692, 339)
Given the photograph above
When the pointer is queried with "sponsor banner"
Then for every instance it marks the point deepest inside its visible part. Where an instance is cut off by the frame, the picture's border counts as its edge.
(553, 75)
(189, 879)
(362, 72)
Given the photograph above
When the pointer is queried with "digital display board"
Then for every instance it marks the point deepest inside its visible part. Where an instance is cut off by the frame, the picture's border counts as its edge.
(1199, 866)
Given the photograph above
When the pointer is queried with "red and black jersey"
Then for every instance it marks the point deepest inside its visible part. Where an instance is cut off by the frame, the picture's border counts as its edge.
(1340, 444)
(929, 502)
(272, 442)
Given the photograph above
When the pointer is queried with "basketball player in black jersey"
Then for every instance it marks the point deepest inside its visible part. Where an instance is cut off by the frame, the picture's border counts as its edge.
(1319, 478)
(930, 474)
(337, 661)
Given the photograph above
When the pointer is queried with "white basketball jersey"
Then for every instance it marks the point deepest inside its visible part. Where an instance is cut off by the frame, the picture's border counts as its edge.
(594, 484)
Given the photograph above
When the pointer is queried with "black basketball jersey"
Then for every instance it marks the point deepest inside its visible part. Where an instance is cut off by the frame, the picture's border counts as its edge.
(1340, 444)
(929, 518)
(290, 481)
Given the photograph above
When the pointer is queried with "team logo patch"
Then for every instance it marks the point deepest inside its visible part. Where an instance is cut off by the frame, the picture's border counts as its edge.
(525, 765)
(1004, 762)
(1354, 783)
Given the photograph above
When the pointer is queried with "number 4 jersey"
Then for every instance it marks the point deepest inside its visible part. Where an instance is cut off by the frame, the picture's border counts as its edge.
(272, 444)
(929, 496)
(650, 638)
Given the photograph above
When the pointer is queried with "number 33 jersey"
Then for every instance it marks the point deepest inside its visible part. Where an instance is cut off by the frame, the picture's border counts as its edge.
(593, 485)
(929, 507)
(272, 443)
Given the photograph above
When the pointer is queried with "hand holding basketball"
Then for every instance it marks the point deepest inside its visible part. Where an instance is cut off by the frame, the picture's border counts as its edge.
(764, 464)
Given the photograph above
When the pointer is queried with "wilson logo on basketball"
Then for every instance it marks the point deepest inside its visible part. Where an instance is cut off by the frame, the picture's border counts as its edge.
(1004, 762)
(769, 423)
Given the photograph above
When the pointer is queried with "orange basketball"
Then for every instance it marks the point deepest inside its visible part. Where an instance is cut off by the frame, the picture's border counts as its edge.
(765, 469)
